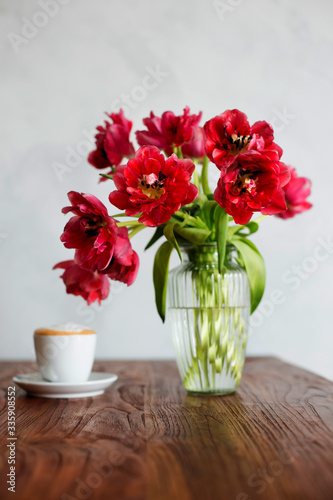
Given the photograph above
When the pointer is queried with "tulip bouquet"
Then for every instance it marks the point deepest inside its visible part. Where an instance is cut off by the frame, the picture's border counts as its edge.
(164, 184)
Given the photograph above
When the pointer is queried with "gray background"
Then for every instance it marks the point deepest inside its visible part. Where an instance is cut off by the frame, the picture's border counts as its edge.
(269, 58)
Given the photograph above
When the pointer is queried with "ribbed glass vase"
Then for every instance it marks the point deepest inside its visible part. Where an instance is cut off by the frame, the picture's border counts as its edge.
(209, 314)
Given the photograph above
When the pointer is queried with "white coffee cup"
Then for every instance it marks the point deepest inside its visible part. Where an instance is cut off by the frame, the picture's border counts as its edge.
(65, 353)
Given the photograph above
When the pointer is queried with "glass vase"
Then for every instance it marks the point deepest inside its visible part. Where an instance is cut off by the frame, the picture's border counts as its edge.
(209, 313)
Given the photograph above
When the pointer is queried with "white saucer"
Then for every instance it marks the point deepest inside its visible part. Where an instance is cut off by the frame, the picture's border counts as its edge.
(35, 385)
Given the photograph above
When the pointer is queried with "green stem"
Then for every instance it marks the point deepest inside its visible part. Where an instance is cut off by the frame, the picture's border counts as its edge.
(136, 230)
(129, 223)
(179, 153)
(204, 176)
(218, 348)
(196, 178)
(259, 219)
(205, 370)
(116, 216)
(106, 176)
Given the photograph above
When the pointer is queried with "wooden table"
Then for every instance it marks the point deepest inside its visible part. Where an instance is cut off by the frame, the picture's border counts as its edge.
(146, 439)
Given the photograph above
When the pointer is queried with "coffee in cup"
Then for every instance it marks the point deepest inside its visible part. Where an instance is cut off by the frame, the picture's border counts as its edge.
(65, 352)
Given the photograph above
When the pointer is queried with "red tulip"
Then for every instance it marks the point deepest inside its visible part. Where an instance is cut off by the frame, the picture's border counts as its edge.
(229, 135)
(153, 185)
(90, 285)
(92, 232)
(112, 142)
(125, 274)
(252, 183)
(196, 148)
(296, 192)
(169, 131)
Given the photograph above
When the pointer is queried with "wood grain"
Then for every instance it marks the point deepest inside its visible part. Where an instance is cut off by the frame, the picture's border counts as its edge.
(146, 439)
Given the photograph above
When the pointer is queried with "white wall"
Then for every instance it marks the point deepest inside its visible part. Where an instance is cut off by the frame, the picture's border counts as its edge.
(265, 57)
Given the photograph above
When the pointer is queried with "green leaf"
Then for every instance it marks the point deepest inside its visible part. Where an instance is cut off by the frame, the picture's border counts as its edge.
(196, 205)
(170, 236)
(195, 235)
(250, 228)
(160, 276)
(207, 213)
(221, 228)
(179, 216)
(254, 266)
(191, 221)
(233, 230)
(156, 236)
